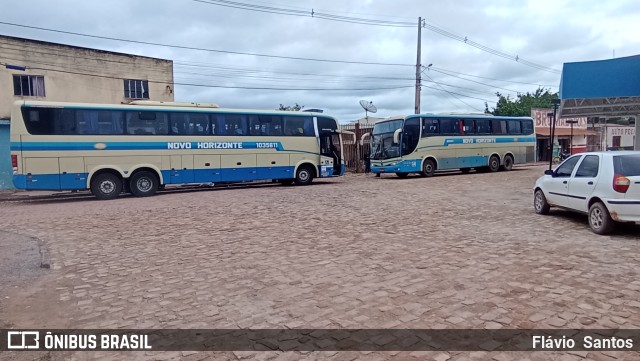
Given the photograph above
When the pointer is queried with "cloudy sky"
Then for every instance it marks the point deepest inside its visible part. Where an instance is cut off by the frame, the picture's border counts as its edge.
(370, 45)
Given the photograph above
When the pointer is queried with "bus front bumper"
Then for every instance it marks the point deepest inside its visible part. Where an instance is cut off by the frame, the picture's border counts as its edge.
(402, 166)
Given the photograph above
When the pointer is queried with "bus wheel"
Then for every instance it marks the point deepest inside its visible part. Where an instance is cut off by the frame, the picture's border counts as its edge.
(304, 175)
(428, 168)
(508, 163)
(402, 175)
(106, 186)
(143, 184)
(465, 170)
(494, 163)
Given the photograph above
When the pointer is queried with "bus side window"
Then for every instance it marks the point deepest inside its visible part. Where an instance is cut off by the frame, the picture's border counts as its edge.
(483, 126)
(527, 127)
(298, 126)
(467, 126)
(429, 127)
(499, 126)
(514, 126)
(449, 126)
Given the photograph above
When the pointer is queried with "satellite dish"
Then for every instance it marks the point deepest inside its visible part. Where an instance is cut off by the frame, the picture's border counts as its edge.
(368, 106)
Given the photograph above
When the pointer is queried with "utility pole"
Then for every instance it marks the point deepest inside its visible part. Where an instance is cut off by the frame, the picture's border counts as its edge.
(418, 66)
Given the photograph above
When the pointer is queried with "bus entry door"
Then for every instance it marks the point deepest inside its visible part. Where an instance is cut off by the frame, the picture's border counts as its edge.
(331, 146)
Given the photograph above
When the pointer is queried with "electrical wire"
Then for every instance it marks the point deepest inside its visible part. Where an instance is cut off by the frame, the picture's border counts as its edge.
(203, 49)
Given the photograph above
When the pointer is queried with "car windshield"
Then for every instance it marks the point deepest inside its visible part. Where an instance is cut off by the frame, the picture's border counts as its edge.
(382, 146)
(627, 165)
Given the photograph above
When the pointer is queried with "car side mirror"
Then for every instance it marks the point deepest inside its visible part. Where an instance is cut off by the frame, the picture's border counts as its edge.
(549, 172)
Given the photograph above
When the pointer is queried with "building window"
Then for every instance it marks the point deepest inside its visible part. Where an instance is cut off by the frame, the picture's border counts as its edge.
(28, 85)
(136, 89)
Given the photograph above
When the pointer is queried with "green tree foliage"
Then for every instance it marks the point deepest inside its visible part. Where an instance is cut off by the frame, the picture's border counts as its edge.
(523, 103)
(294, 108)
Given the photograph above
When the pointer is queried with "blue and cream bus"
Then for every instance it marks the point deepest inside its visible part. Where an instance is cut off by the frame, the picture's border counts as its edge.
(424, 143)
(143, 146)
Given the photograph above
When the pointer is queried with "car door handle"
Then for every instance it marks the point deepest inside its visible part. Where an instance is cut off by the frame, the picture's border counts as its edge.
(564, 182)
(239, 163)
(273, 162)
(590, 183)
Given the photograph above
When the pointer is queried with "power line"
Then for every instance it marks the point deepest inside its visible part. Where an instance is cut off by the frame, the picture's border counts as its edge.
(304, 13)
(376, 22)
(452, 94)
(203, 49)
(446, 71)
(224, 86)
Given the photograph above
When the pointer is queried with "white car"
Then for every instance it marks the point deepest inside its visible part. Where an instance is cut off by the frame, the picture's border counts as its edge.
(604, 185)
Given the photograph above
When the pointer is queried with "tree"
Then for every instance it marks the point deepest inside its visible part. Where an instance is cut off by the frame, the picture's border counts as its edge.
(522, 105)
(295, 108)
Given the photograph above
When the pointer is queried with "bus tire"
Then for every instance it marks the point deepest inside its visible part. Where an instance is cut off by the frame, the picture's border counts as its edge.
(494, 163)
(428, 168)
(143, 184)
(106, 186)
(304, 175)
(508, 163)
(402, 175)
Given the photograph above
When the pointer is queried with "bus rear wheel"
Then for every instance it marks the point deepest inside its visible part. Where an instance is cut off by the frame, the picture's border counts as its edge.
(304, 175)
(106, 186)
(143, 184)
(508, 163)
(494, 163)
(428, 168)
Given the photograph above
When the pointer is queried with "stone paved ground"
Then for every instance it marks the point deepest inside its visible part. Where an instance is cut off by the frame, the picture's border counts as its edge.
(453, 251)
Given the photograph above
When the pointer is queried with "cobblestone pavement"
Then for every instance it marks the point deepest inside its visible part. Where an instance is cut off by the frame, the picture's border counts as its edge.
(452, 251)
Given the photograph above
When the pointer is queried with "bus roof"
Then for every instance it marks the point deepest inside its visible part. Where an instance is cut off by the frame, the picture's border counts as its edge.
(454, 115)
(163, 106)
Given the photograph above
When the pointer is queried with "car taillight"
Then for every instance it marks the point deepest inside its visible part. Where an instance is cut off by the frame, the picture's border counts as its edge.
(14, 160)
(621, 183)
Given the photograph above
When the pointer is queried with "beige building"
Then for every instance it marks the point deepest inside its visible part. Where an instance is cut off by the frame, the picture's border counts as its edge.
(39, 70)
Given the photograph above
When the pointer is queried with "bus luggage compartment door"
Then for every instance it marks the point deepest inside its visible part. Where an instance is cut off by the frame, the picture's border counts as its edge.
(274, 166)
(42, 173)
(238, 167)
(206, 168)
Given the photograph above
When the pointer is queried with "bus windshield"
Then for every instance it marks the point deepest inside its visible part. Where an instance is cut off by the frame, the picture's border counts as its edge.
(382, 146)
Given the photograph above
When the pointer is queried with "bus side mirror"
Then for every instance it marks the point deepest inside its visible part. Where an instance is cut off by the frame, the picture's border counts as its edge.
(396, 136)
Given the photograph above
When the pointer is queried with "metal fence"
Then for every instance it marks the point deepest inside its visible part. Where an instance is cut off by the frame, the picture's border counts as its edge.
(356, 153)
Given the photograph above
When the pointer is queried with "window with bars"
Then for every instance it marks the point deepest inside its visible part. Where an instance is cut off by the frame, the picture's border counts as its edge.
(28, 85)
(136, 89)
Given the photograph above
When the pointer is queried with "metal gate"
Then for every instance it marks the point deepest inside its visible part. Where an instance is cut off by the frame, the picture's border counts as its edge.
(356, 154)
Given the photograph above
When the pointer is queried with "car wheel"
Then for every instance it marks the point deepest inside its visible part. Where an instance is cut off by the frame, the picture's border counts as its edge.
(540, 202)
(428, 168)
(600, 220)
